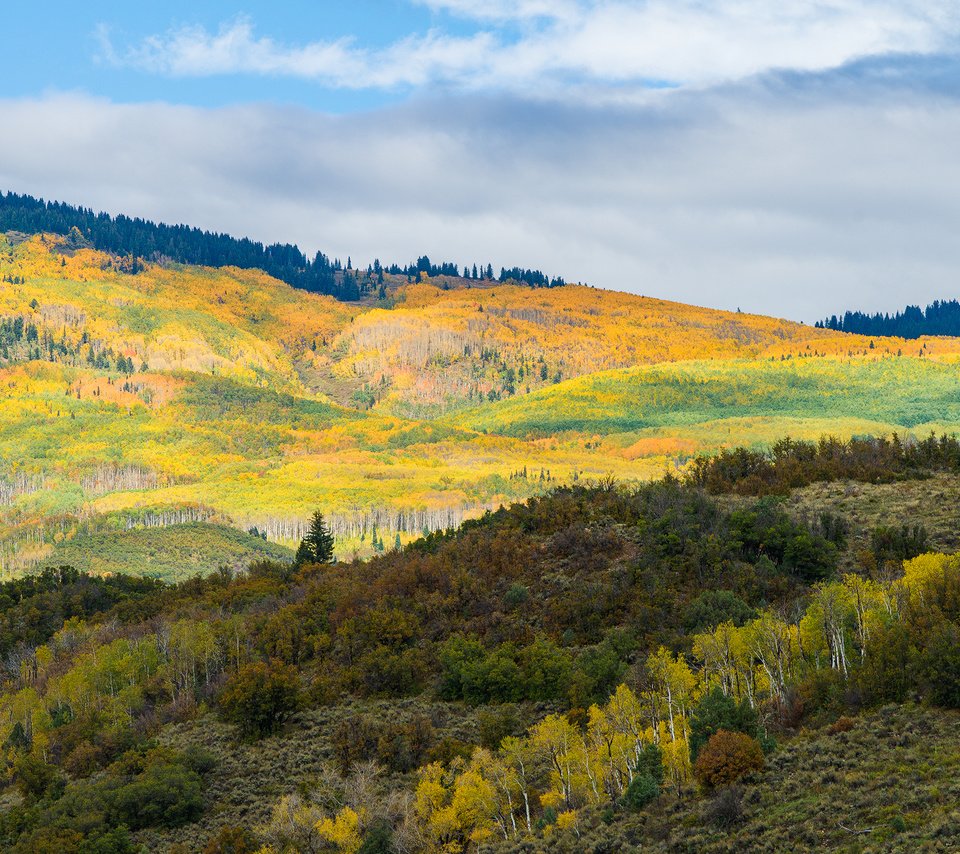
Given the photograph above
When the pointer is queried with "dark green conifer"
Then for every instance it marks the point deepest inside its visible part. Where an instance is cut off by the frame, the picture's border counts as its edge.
(317, 545)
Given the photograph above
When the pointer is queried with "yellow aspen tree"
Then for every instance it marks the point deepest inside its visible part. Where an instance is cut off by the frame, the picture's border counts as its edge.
(920, 573)
(676, 760)
(518, 757)
(867, 599)
(478, 803)
(569, 820)
(436, 817)
(627, 717)
(773, 643)
(611, 749)
(505, 777)
(831, 606)
(342, 831)
(555, 737)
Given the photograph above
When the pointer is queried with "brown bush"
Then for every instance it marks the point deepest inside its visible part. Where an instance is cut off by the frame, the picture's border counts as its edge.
(725, 810)
(841, 724)
(726, 758)
(231, 840)
(83, 760)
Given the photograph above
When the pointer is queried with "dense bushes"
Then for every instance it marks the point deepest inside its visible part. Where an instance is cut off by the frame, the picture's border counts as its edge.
(790, 464)
(164, 794)
(34, 607)
(150, 787)
(554, 604)
(765, 530)
(717, 712)
(261, 696)
(398, 746)
(232, 840)
(897, 544)
(648, 778)
(713, 607)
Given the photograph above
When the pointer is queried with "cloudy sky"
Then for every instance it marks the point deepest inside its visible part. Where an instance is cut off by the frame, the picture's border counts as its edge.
(795, 158)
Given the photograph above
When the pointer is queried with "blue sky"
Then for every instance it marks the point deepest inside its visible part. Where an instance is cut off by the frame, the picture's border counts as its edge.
(69, 54)
(795, 158)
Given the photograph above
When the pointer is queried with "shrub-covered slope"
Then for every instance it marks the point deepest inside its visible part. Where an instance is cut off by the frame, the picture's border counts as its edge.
(547, 656)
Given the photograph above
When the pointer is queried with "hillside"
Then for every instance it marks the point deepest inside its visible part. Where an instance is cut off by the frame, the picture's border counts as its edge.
(183, 423)
(86, 309)
(398, 699)
(694, 400)
(880, 785)
(142, 394)
(437, 349)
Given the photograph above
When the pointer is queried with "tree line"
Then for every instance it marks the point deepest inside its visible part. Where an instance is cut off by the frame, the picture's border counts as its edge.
(791, 464)
(941, 317)
(134, 237)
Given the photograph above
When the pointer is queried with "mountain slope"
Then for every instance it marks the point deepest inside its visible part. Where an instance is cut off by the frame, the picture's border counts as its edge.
(687, 399)
(240, 323)
(155, 393)
(437, 349)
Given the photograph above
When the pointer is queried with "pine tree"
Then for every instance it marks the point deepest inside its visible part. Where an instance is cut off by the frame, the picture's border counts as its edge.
(317, 545)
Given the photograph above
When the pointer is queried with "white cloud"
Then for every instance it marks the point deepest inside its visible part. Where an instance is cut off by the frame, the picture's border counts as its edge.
(506, 10)
(236, 49)
(586, 41)
(796, 202)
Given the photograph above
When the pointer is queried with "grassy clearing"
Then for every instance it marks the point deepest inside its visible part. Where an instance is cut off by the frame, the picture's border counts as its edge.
(172, 553)
(932, 503)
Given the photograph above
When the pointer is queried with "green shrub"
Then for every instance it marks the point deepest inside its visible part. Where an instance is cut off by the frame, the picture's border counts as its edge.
(642, 790)
(495, 725)
(116, 841)
(716, 712)
(164, 795)
(713, 607)
(650, 763)
(38, 780)
(378, 840)
(261, 697)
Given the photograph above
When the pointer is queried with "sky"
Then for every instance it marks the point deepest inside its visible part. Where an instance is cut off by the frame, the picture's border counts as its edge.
(796, 158)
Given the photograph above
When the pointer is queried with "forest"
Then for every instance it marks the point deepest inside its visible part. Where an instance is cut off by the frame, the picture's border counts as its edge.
(564, 674)
(138, 239)
(484, 642)
(941, 317)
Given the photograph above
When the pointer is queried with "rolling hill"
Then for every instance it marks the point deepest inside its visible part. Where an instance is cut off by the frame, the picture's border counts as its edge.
(603, 665)
(154, 394)
(698, 398)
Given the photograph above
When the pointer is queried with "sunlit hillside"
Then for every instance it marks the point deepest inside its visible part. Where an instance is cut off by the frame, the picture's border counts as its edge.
(437, 349)
(87, 307)
(148, 395)
(715, 403)
(84, 452)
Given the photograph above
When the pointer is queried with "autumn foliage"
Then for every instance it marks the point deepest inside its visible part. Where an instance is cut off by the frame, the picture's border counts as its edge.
(726, 758)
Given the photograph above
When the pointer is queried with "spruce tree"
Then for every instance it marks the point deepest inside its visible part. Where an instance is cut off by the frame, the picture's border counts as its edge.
(317, 545)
